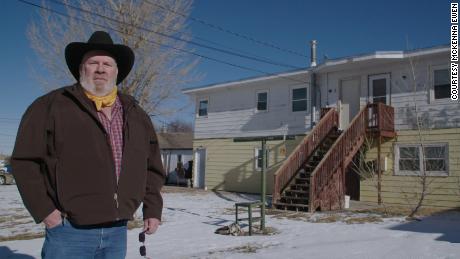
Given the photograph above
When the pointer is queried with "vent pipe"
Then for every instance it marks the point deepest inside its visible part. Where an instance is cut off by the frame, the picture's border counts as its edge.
(313, 53)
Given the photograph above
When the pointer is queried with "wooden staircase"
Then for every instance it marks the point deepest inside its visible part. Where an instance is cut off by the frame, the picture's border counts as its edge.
(313, 176)
(296, 195)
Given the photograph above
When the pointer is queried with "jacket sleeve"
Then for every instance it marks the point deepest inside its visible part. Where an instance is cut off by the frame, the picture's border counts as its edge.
(153, 202)
(27, 161)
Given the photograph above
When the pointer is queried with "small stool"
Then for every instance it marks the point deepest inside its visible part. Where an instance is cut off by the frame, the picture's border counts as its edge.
(249, 205)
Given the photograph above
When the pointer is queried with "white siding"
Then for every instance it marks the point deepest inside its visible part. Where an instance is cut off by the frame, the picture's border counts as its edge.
(232, 111)
(435, 114)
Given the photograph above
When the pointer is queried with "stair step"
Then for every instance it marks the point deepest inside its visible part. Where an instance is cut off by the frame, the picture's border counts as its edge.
(311, 166)
(298, 192)
(295, 207)
(303, 175)
(299, 187)
(301, 180)
(294, 199)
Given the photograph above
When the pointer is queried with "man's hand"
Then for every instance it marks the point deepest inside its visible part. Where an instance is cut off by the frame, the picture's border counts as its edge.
(151, 225)
(53, 219)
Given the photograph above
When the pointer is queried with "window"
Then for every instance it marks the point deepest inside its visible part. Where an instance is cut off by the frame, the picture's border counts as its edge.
(262, 101)
(441, 84)
(203, 108)
(379, 88)
(299, 99)
(409, 162)
(409, 159)
(258, 157)
(435, 158)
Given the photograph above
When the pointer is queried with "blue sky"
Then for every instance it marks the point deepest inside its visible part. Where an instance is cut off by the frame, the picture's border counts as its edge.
(342, 28)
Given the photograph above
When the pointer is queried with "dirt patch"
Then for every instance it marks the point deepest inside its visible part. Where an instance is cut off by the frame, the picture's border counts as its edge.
(362, 220)
(177, 189)
(399, 211)
(24, 236)
(10, 218)
(245, 249)
(292, 215)
(268, 231)
(349, 217)
(227, 211)
(326, 218)
(249, 248)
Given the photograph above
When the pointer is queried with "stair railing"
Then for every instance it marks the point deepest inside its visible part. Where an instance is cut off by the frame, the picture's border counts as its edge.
(305, 149)
(327, 179)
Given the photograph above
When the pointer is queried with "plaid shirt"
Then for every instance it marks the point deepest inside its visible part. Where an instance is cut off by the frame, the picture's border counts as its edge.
(114, 128)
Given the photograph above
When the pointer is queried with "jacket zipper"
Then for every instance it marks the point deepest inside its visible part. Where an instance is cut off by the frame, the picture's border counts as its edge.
(114, 176)
(95, 117)
(125, 128)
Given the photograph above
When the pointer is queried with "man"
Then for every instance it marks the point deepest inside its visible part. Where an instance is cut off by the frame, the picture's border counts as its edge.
(86, 156)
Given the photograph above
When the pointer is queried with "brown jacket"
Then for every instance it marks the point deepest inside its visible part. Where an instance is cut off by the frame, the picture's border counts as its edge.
(62, 159)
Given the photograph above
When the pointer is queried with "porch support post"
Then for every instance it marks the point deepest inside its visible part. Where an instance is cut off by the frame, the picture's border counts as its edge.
(263, 187)
(379, 171)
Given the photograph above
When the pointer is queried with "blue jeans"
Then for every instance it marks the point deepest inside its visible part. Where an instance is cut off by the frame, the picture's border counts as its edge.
(70, 241)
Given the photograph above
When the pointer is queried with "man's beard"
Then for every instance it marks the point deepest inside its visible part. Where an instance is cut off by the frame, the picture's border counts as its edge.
(101, 90)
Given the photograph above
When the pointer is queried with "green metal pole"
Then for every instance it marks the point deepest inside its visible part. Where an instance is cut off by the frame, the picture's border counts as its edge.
(262, 194)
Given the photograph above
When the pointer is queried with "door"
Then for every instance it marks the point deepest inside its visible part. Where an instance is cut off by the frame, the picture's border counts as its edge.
(200, 165)
(350, 101)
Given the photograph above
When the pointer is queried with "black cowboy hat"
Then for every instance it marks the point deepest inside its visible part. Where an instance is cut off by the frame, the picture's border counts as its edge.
(99, 40)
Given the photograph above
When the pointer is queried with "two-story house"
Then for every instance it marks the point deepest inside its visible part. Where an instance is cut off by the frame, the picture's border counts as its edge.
(398, 99)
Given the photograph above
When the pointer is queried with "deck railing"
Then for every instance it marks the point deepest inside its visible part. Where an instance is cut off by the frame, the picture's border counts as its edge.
(327, 180)
(381, 117)
(297, 158)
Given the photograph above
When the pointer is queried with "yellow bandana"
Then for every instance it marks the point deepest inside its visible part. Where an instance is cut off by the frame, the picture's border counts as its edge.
(103, 101)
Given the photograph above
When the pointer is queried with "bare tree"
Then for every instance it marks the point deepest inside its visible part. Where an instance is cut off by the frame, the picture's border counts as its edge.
(179, 126)
(419, 156)
(421, 126)
(365, 168)
(424, 158)
(160, 69)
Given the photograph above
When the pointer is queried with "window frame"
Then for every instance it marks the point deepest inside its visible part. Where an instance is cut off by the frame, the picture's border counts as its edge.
(257, 100)
(398, 172)
(198, 108)
(432, 69)
(307, 99)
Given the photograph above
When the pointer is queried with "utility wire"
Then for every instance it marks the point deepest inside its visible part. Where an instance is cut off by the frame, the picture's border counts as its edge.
(13, 119)
(262, 60)
(164, 45)
(208, 41)
(267, 44)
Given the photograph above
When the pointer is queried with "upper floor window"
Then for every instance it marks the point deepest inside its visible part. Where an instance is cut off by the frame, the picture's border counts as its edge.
(441, 85)
(262, 101)
(409, 159)
(379, 87)
(203, 108)
(299, 99)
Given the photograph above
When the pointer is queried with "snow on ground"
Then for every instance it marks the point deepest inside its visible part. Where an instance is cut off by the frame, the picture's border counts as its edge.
(190, 219)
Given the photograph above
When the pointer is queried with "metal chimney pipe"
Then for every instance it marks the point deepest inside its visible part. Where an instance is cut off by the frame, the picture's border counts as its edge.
(313, 53)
